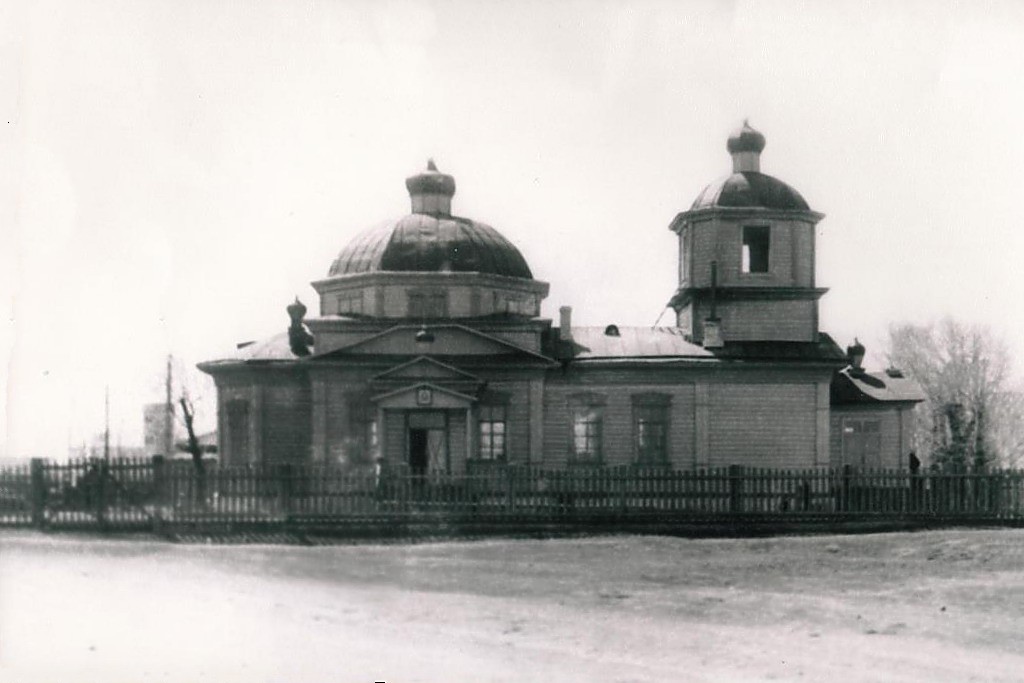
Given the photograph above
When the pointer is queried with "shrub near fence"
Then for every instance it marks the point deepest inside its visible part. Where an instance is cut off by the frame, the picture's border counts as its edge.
(157, 494)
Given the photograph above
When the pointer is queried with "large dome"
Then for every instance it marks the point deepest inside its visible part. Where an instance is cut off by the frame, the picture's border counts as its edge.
(424, 243)
(430, 239)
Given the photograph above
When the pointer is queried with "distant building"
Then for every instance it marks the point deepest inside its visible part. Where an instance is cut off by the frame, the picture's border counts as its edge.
(428, 354)
(96, 446)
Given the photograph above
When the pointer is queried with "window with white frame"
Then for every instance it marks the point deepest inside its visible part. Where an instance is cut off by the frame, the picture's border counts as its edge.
(587, 415)
(650, 428)
(493, 432)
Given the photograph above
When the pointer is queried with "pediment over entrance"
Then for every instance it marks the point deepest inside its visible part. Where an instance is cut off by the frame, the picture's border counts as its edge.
(445, 340)
(423, 395)
(424, 368)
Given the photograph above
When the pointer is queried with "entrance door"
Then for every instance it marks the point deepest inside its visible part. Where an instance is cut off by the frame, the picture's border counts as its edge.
(428, 442)
(418, 451)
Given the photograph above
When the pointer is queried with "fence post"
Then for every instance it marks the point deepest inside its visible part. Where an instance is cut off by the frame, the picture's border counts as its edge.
(159, 491)
(510, 483)
(284, 478)
(735, 488)
(844, 491)
(38, 479)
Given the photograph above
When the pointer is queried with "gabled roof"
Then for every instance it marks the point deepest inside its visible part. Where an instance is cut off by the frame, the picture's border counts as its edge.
(852, 387)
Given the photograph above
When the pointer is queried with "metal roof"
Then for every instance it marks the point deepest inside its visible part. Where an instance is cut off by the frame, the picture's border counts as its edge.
(426, 243)
(276, 348)
(591, 343)
(750, 189)
(849, 386)
(635, 342)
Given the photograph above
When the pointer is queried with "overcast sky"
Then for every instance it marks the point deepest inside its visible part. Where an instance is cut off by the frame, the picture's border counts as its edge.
(174, 173)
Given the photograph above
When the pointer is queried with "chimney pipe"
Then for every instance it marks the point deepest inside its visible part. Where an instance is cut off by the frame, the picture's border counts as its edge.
(712, 332)
(565, 323)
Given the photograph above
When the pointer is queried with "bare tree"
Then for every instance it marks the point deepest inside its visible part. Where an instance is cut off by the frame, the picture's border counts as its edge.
(970, 418)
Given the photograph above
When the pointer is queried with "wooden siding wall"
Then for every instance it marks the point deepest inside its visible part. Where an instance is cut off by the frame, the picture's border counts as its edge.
(896, 429)
(285, 420)
(791, 253)
(394, 437)
(763, 425)
(457, 441)
(339, 389)
(762, 320)
(618, 446)
(517, 440)
(229, 390)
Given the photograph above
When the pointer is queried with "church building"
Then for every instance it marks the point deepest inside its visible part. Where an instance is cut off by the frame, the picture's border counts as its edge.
(428, 354)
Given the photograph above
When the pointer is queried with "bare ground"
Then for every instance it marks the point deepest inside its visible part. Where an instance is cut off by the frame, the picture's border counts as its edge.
(926, 606)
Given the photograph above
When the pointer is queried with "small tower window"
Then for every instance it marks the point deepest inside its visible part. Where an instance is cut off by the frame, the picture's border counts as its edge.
(756, 241)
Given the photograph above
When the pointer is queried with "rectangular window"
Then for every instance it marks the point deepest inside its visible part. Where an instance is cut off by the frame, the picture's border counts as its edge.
(756, 243)
(350, 304)
(492, 433)
(587, 423)
(428, 304)
(650, 423)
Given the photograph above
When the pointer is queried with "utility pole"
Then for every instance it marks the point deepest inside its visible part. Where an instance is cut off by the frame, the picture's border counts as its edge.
(169, 414)
(106, 430)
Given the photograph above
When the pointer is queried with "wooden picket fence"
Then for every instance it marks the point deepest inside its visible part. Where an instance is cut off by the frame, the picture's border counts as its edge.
(153, 494)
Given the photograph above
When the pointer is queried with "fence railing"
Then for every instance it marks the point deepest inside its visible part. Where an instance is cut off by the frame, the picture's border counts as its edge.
(150, 493)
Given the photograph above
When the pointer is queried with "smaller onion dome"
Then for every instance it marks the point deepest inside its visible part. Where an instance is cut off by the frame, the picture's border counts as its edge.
(296, 311)
(745, 139)
(431, 182)
(855, 354)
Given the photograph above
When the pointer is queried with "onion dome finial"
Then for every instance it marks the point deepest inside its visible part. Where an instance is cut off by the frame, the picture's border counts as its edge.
(431, 191)
(745, 139)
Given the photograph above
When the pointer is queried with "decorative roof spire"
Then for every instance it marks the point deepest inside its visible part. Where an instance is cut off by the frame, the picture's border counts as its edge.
(745, 145)
(298, 338)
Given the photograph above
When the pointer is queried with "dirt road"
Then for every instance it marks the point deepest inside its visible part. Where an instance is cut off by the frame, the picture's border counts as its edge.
(898, 607)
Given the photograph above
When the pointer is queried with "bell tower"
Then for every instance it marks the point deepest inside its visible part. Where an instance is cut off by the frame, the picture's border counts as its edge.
(746, 256)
